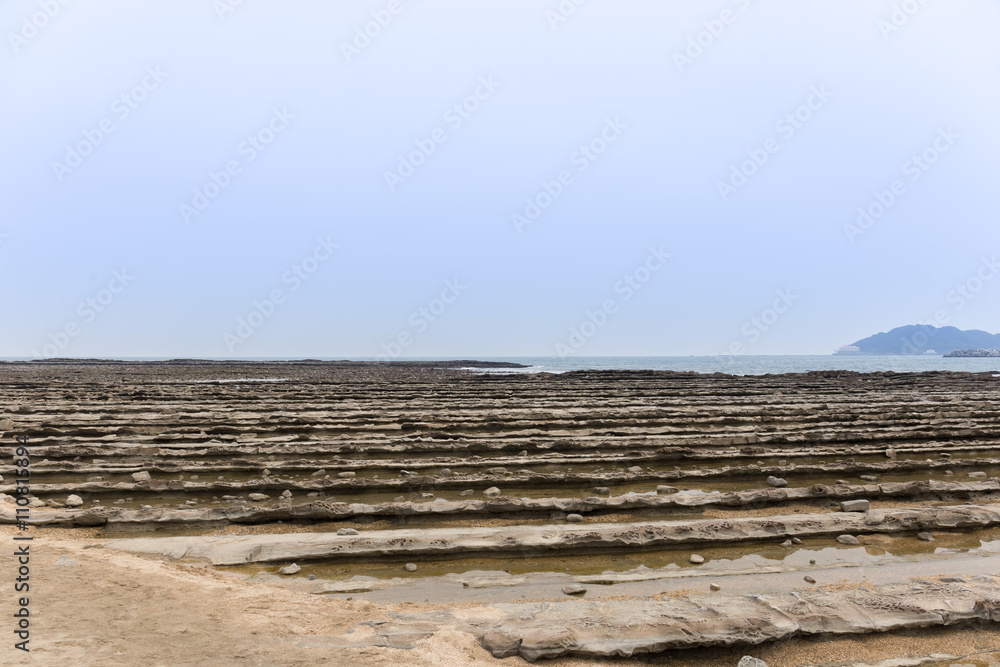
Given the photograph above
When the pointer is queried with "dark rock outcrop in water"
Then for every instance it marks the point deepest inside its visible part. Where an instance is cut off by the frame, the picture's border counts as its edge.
(974, 353)
(919, 338)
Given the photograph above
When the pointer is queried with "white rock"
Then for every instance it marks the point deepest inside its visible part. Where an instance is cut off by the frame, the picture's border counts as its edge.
(141, 476)
(74, 501)
(289, 569)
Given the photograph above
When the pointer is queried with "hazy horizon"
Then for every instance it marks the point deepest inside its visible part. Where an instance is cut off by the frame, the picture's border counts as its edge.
(222, 179)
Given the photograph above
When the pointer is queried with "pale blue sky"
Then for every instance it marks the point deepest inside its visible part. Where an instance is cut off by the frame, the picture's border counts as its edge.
(672, 130)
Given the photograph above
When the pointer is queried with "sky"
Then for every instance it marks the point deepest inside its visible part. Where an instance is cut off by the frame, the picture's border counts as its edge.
(446, 178)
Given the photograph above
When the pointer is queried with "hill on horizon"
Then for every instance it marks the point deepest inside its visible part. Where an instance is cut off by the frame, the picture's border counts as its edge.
(918, 338)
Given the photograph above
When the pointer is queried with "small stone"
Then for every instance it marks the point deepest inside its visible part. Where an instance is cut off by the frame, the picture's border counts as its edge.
(696, 559)
(574, 518)
(491, 492)
(602, 491)
(318, 473)
(467, 492)
(446, 472)
(849, 539)
(749, 661)
(978, 475)
(266, 473)
(574, 589)
(786, 543)
(809, 580)
(523, 452)
(925, 537)
(289, 569)
(812, 562)
(890, 453)
(347, 475)
(286, 494)
(141, 476)
(949, 472)
(347, 531)
(257, 497)
(74, 501)
(855, 506)
(664, 490)
(635, 469)
(312, 494)
(714, 587)
(796, 540)
(399, 499)
(6, 424)
(776, 482)
(426, 495)
(868, 478)
(95, 478)
(410, 567)
(945, 455)
(193, 477)
(843, 482)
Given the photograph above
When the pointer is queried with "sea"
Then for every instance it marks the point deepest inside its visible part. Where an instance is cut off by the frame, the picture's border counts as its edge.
(733, 365)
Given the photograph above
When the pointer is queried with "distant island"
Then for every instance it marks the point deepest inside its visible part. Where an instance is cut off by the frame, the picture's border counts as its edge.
(926, 339)
(974, 353)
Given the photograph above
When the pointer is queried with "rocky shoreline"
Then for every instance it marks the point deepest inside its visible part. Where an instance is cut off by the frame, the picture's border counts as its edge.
(348, 471)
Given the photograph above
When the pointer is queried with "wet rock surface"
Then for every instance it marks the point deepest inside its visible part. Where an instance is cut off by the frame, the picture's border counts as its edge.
(528, 541)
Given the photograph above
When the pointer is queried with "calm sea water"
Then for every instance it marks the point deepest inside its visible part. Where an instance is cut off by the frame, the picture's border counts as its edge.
(757, 365)
(744, 365)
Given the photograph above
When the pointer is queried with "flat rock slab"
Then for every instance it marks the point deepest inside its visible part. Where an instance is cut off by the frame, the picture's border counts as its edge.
(526, 541)
(327, 510)
(626, 628)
